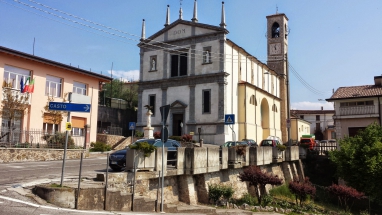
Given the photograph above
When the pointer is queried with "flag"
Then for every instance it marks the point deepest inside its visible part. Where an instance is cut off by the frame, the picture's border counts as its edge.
(21, 85)
(26, 86)
(31, 86)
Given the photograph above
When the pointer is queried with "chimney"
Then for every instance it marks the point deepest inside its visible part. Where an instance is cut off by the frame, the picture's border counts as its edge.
(378, 80)
(322, 107)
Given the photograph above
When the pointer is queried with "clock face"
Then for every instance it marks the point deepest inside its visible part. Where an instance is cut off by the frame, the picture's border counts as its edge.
(275, 48)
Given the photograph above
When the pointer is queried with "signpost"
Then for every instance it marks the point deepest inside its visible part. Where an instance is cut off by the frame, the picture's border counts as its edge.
(229, 119)
(164, 113)
(69, 107)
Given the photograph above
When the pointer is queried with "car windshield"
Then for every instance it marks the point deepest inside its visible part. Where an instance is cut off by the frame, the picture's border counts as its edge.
(305, 141)
(266, 143)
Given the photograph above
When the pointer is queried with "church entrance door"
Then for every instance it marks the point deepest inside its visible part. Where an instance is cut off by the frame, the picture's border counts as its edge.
(177, 124)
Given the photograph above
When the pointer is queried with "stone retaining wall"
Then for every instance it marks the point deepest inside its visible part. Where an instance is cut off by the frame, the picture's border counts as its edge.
(109, 139)
(18, 155)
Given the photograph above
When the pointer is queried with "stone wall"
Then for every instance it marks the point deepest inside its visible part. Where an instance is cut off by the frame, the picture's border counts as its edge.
(111, 140)
(33, 154)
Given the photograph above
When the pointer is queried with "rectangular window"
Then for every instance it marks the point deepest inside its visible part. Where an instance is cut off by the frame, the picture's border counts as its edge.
(317, 117)
(50, 123)
(179, 65)
(79, 88)
(207, 55)
(369, 103)
(152, 103)
(78, 126)
(13, 76)
(53, 86)
(206, 101)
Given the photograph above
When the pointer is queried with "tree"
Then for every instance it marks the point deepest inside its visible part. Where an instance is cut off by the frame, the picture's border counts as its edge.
(345, 194)
(13, 106)
(359, 161)
(258, 179)
(302, 189)
(121, 90)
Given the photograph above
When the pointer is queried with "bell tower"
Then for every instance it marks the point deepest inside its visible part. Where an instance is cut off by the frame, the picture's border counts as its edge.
(277, 43)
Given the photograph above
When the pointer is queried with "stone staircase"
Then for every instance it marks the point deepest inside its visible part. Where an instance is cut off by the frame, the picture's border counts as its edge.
(122, 143)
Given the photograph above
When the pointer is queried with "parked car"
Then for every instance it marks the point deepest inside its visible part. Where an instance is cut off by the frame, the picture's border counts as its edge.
(308, 141)
(250, 142)
(274, 138)
(270, 142)
(233, 143)
(117, 160)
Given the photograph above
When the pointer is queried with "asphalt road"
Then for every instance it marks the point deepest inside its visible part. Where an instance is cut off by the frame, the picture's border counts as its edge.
(30, 173)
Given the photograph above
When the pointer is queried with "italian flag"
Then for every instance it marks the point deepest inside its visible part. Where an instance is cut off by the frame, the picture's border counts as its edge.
(29, 86)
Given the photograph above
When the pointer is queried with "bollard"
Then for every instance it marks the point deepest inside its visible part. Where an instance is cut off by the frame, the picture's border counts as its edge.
(201, 143)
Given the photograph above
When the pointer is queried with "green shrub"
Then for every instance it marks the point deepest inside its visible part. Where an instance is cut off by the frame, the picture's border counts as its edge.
(281, 147)
(282, 190)
(138, 133)
(177, 138)
(247, 199)
(57, 140)
(220, 191)
(99, 147)
(144, 147)
(266, 200)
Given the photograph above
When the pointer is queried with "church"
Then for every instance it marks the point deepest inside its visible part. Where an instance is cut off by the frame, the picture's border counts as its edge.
(204, 76)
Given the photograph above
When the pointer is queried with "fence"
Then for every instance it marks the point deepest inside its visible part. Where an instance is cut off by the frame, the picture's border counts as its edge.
(110, 130)
(38, 138)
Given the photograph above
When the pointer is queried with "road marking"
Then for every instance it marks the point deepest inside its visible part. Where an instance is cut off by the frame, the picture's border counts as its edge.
(52, 208)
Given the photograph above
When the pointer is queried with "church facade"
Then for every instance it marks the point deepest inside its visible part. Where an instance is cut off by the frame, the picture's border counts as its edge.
(204, 76)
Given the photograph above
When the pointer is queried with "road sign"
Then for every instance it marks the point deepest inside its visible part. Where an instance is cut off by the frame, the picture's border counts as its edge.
(131, 125)
(288, 123)
(164, 132)
(229, 119)
(68, 126)
(71, 107)
(164, 112)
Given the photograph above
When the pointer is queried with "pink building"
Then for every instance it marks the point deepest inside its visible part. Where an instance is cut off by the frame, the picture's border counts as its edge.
(51, 80)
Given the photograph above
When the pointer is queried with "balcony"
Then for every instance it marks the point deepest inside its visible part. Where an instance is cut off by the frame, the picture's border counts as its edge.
(15, 93)
(357, 110)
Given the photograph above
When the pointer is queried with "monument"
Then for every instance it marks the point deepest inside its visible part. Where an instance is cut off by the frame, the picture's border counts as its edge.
(148, 130)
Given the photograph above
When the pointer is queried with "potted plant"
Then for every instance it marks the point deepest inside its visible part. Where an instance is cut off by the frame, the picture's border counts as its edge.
(142, 154)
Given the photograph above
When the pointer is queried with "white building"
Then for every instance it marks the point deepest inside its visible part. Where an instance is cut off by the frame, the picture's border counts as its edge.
(203, 75)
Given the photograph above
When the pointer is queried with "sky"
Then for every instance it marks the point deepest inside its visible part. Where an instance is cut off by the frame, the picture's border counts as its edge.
(331, 44)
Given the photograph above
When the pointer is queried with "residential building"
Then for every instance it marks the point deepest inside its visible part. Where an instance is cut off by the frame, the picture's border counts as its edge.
(356, 107)
(204, 76)
(321, 122)
(51, 80)
(298, 127)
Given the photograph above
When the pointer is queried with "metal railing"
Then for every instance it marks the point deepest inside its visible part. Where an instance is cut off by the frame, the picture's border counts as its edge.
(358, 110)
(37, 138)
(110, 130)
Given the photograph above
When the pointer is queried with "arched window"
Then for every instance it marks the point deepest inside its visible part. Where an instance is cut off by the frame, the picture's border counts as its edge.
(275, 30)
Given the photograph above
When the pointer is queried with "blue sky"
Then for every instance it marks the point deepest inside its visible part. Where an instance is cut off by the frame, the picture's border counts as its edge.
(331, 43)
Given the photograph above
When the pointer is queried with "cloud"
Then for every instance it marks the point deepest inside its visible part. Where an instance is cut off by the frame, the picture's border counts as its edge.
(312, 106)
(131, 75)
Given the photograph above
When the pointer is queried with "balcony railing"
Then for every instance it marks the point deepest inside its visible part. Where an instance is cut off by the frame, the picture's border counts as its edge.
(358, 110)
(16, 94)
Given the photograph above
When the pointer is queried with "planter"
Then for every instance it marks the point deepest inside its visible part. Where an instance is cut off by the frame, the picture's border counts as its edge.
(277, 154)
(141, 162)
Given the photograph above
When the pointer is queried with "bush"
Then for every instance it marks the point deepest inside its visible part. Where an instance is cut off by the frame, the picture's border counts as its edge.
(217, 192)
(302, 190)
(138, 133)
(247, 199)
(281, 147)
(99, 147)
(144, 147)
(57, 140)
(282, 190)
(157, 135)
(186, 137)
(266, 200)
(177, 138)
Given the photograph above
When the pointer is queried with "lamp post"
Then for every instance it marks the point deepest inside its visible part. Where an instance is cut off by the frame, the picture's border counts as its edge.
(199, 130)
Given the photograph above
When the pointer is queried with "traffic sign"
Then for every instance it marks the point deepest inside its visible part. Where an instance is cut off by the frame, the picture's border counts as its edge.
(131, 125)
(70, 107)
(164, 132)
(68, 126)
(288, 123)
(229, 119)
(164, 112)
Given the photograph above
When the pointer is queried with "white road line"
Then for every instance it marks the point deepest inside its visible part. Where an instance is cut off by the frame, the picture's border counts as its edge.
(52, 208)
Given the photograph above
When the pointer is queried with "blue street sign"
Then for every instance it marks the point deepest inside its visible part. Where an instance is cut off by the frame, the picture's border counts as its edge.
(131, 125)
(229, 119)
(70, 107)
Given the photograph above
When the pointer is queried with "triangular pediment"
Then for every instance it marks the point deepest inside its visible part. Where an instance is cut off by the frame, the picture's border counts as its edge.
(183, 29)
(178, 104)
